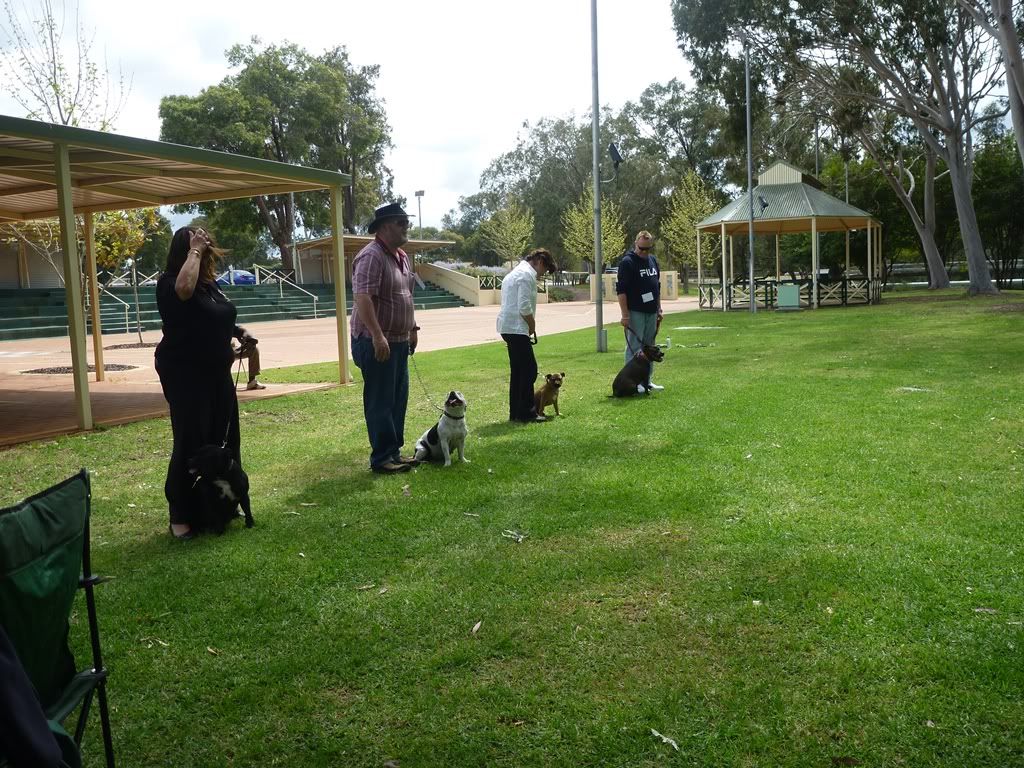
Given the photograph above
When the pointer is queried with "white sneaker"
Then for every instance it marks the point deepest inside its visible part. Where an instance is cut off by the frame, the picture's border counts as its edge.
(655, 387)
(640, 389)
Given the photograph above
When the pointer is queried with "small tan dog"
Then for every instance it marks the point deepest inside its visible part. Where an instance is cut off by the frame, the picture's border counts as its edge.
(548, 394)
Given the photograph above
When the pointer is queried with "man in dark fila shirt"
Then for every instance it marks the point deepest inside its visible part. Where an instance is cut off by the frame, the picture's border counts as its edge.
(639, 290)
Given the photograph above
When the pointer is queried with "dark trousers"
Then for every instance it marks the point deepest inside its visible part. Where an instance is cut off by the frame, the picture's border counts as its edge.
(385, 397)
(522, 377)
(203, 404)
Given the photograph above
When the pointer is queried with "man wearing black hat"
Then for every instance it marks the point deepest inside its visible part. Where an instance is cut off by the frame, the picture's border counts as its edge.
(384, 334)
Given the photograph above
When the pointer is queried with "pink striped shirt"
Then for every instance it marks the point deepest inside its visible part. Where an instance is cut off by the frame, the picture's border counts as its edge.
(388, 279)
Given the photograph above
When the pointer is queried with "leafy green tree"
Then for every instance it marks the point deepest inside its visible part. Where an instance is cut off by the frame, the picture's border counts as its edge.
(578, 231)
(152, 256)
(287, 105)
(690, 204)
(509, 231)
(120, 235)
(998, 191)
(932, 64)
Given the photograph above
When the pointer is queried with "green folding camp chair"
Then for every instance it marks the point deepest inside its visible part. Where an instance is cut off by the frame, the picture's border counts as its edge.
(44, 559)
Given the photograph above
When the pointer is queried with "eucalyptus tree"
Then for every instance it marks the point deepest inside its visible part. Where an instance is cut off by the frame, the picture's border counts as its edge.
(287, 105)
(1001, 19)
(932, 63)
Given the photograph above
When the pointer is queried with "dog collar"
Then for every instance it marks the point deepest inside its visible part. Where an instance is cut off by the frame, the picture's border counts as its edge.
(454, 417)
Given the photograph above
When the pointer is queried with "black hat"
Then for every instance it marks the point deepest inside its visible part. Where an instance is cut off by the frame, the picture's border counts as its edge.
(385, 212)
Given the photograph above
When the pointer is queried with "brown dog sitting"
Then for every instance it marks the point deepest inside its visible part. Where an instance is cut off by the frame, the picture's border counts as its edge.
(548, 394)
(633, 377)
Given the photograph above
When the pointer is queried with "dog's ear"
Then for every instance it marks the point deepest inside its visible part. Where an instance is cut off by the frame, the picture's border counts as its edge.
(547, 377)
(562, 374)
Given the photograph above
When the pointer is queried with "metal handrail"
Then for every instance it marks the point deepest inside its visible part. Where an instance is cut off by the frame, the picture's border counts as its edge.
(103, 289)
(281, 280)
(272, 275)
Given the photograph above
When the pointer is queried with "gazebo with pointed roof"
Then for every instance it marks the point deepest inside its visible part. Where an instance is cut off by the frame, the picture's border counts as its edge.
(788, 201)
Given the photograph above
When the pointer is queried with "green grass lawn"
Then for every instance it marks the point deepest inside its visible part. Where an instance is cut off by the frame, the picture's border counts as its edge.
(807, 551)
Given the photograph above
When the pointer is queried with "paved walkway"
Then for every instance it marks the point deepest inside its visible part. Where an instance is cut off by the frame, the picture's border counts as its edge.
(35, 406)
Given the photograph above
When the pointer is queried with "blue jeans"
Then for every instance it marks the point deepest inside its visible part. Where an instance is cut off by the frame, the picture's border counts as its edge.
(645, 325)
(385, 397)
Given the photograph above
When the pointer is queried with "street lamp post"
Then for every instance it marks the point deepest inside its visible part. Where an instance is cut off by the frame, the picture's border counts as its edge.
(602, 337)
(419, 209)
(750, 178)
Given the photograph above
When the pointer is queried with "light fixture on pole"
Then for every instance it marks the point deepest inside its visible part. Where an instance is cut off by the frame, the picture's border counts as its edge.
(750, 177)
(419, 208)
(602, 336)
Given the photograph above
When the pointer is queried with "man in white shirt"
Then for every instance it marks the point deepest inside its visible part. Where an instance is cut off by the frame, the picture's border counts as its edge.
(516, 325)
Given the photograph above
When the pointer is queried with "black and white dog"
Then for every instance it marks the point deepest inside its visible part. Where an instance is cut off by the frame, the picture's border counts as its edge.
(448, 435)
(223, 487)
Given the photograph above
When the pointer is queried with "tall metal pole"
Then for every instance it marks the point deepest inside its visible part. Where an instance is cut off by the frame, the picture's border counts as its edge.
(419, 209)
(602, 337)
(750, 179)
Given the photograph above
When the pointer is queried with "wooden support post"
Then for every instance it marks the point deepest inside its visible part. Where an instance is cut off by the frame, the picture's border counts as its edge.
(94, 296)
(778, 260)
(24, 279)
(724, 302)
(814, 262)
(72, 285)
(338, 274)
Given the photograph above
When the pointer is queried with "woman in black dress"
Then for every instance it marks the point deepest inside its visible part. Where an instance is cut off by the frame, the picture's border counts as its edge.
(194, 361)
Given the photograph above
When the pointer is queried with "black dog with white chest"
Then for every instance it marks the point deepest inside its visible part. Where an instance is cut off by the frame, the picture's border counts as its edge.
(448, 435)
(637, 372)
(222, 486)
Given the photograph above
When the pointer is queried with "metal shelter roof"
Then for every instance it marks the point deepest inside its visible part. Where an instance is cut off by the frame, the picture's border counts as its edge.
(788, 209)
(112, 172)
(355, 243)
(55, 171)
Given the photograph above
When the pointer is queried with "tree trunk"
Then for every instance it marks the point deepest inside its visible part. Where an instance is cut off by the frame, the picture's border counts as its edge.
(977, 264)
(938, 277)
(1009, 43)
(278, 232)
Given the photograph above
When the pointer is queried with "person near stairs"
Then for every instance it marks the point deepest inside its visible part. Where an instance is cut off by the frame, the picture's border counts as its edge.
(194, 361)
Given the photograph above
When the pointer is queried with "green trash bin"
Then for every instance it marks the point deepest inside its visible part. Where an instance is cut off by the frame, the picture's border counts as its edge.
(788, 297)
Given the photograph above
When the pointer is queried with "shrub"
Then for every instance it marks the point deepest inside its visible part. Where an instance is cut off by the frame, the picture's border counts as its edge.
(557, 293)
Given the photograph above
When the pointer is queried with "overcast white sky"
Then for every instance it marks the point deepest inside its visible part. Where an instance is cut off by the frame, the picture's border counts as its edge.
(458, 77)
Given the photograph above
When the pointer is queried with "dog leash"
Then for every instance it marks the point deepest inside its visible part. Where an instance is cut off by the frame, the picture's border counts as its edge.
(227, 429)
(425, 392)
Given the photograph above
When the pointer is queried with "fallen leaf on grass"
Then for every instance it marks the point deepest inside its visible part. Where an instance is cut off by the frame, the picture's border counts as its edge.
(929, 723)
(984, 610)
(212, 651)
(289, 512)
(132, 506)
(382, 590)
(150, 640)
(749, 456)
(302, 554)
(365, 587)
(471, 514)
(391, 764)
(406, 491)
(307, 503)
(516, 536)
(845, 760)
(476, 627)
(757, 603)
(666, 740)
